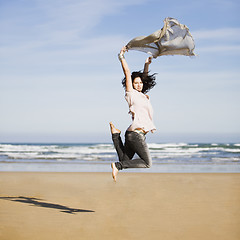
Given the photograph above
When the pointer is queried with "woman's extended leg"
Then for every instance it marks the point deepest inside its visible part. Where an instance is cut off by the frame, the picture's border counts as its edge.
(124, 152)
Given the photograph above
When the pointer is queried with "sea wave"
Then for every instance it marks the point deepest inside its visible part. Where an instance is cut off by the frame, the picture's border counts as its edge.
(167, 153)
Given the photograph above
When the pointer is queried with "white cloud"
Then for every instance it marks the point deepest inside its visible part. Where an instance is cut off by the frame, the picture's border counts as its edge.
(212, 78)
(54, 31)
(230, 34)
(223, 41)
(58, 22)
(221, 49)
(48, 33)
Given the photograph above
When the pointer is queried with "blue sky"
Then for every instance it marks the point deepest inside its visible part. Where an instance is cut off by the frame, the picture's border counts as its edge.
(60, 79)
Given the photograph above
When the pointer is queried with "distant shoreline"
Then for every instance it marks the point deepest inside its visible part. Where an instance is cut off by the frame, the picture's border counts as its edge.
(105, 167)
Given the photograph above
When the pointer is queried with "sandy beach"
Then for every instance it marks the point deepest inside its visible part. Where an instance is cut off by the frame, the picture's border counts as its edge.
(139, 206)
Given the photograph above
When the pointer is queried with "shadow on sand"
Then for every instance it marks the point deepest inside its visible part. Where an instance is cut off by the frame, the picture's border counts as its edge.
(38, 203)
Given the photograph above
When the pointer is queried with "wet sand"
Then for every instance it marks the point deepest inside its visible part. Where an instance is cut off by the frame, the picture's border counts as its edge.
(185, 206)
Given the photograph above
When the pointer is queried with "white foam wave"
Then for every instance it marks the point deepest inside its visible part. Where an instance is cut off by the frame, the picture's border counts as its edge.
(166, 145)
(233, 150)
(106, 152)
(226, 159)
(186, 150)
(55, 151)
(26, 148)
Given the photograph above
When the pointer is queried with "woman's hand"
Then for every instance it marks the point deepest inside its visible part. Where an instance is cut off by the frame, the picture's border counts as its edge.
(146, 65)
(149, 60)
(123, 50)
(121, 54)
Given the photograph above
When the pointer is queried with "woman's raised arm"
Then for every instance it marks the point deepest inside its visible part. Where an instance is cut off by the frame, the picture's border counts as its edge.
(146, 65)
(126, 69)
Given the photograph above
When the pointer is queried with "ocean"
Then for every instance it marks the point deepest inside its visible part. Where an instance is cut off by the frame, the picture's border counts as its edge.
(96, 157)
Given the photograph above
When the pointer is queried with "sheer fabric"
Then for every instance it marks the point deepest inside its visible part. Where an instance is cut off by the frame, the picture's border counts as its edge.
(173, 39)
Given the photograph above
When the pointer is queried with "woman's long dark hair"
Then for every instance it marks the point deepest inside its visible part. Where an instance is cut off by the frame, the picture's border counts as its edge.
(148, 80)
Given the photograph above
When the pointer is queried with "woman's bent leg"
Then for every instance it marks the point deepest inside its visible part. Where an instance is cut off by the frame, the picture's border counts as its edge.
(136, 142)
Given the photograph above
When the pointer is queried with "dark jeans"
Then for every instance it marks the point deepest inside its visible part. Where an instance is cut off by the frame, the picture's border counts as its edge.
(134, 143)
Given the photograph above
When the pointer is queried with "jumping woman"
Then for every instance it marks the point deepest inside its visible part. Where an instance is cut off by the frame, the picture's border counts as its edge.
(136, 85)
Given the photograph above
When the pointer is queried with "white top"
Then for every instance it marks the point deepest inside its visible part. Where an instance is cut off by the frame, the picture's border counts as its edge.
(141, 110)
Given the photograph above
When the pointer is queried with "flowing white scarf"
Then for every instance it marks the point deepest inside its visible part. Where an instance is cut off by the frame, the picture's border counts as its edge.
(173, 39)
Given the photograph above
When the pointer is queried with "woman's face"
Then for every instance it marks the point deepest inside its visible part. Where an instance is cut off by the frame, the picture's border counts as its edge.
(138, 84)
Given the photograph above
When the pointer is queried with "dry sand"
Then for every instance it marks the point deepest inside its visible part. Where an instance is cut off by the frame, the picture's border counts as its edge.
(139, 206)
